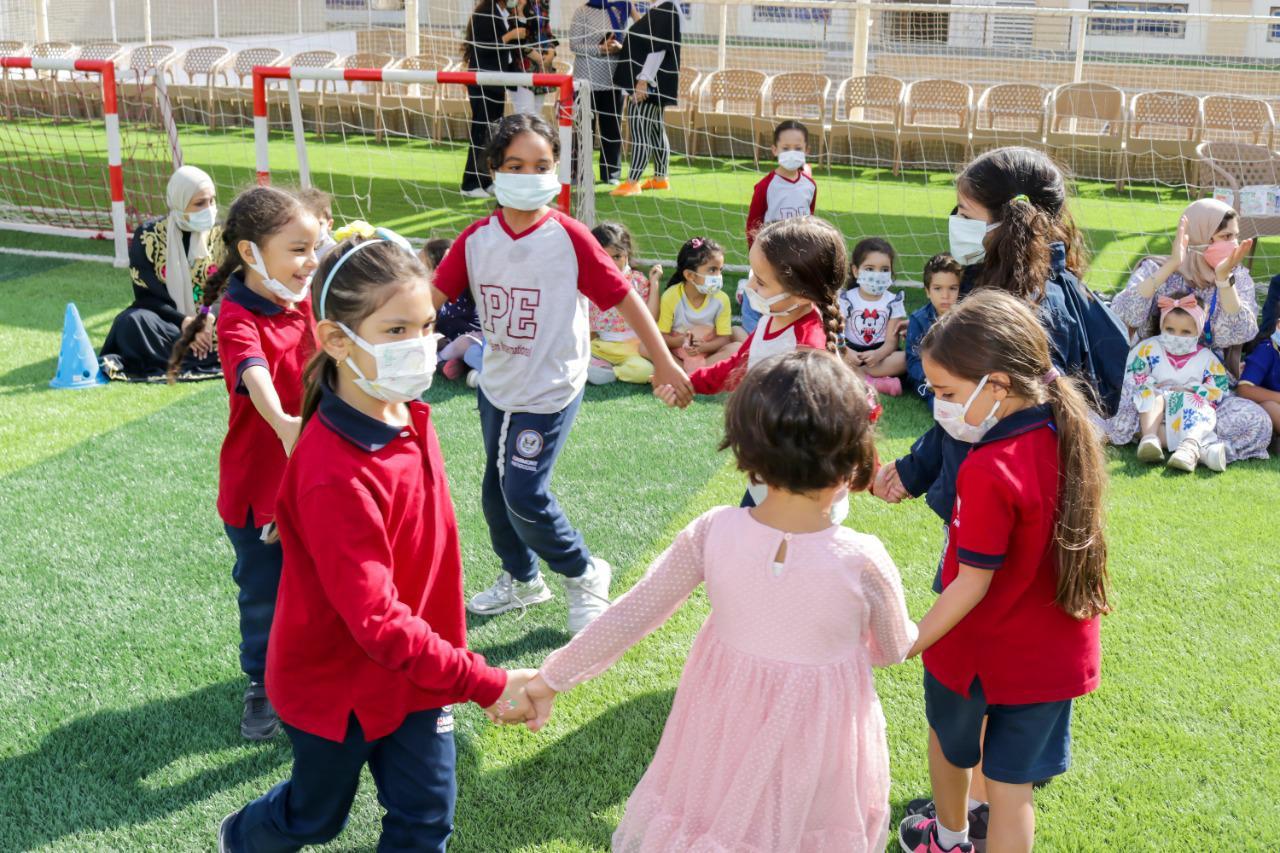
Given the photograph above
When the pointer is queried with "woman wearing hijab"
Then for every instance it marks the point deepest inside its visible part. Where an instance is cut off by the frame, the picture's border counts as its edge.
(595, 36)
(649, 69)
(169, 261)
(1205, 261)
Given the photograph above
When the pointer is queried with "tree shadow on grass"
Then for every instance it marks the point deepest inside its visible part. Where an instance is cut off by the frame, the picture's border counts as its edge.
(558, 794)
(95, 773)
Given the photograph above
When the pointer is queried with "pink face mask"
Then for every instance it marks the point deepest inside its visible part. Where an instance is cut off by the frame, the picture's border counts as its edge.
(1216, 253)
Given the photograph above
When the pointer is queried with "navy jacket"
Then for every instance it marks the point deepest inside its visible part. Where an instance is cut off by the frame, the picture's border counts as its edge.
(919, 322)
(931, 467)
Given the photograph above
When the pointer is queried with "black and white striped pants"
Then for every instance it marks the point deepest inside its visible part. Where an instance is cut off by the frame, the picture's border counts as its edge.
(648, 138)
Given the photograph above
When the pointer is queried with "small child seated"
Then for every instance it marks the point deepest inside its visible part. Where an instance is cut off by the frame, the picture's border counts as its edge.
(320, 205)
(1260, 381)
(942, 274)
(1177, 384)
(695, 316)
(874, 317)
(616, 351)
(787, 191)
(457, 322)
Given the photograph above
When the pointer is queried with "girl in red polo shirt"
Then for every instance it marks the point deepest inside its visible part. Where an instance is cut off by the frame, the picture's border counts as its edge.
(265, 336)
(368, 649)
(1014, 635)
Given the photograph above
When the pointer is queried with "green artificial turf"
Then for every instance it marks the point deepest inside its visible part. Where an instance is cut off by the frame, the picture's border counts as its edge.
(119, 680)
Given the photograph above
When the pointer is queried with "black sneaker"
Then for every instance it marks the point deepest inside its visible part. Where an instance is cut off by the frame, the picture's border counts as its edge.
(224, 846)
(259, 720)
(978, 818)
(919, 834)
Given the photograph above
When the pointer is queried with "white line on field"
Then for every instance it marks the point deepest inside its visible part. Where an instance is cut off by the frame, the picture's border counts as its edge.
(64, 256)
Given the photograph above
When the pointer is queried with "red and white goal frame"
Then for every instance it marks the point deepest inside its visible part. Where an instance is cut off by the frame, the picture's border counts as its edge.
(262, 73)
(115, 169)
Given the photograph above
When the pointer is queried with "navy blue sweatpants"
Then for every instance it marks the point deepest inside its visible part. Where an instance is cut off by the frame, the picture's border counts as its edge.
(257, 574)
(525, 519)
(413, 768)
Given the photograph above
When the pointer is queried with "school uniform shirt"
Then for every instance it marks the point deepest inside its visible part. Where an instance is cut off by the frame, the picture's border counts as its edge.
(255, 331)
(369, 617)
(676, 314)
(776, 198)
(1262, 367)
(867, 320)
(808, 332)
(1020, 644)
(531, 290)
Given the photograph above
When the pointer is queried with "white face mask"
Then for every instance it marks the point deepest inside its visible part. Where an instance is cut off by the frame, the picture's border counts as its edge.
(763, 305)
(792, 161)
(404, 368)
(710, 284)
(1178, 344)
(201, 220)
(875, 282)
(277, 289)
(626, 270)
(966, 238)
(950, 416)
(525, 192)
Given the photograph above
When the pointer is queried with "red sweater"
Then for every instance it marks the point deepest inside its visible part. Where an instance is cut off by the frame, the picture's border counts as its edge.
(808, 331)
(369, 617)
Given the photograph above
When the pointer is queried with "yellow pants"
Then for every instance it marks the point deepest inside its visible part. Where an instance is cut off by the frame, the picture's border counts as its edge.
(625, 357)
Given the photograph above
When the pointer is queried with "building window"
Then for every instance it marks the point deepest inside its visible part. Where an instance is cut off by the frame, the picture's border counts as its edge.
(1139, 27)
(1273, 31)
(920, 27)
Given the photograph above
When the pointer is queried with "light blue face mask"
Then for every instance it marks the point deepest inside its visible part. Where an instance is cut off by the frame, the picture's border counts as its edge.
(875, 282)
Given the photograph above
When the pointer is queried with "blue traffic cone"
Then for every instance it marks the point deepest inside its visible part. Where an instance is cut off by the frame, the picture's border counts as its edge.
(77, 362)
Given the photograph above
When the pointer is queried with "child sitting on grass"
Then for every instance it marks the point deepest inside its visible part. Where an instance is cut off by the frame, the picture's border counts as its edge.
(874, 317)
(1260, 381)
(616, 350)
(694, 315)
(458, 322)
(942, 275)
(320, 205)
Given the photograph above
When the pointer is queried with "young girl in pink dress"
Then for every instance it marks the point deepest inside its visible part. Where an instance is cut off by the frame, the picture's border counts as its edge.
(776, 740)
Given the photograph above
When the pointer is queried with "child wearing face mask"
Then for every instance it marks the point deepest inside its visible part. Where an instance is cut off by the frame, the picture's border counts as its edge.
(265, 336)
(874, 317)
(368, 650)
(529, 267)
(1176, 385)
(1014, 637)
(320, 204)
(616, 351)
(694, 315)
(458, 323)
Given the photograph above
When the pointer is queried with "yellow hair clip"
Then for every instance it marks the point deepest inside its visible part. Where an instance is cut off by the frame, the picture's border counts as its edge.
(359, 228)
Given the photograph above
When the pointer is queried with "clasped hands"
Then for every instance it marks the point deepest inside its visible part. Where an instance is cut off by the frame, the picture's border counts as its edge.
(527, 699)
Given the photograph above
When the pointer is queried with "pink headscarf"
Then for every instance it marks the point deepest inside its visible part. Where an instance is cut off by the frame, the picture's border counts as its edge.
(1203, 219)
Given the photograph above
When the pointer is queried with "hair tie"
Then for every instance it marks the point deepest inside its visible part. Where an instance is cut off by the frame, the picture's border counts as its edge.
(383, 235)
(1020, 197)
(696, 243)
(204, 309)
(1050, 376)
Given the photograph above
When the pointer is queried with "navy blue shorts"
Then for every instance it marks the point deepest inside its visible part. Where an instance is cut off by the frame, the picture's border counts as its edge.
(1024, 743)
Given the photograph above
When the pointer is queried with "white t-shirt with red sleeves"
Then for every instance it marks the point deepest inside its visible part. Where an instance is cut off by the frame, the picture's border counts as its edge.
(531, 292)
(777, 198)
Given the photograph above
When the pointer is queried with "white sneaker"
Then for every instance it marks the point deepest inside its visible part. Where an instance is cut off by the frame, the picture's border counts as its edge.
(601, 375)
(478, 192)
(1186, 456)
(473, 378)
(1215, 457)
(1149, 450)
(507, 593)
(588, 594)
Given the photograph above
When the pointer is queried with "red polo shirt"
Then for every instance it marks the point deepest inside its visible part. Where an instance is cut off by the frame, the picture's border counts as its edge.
(253, 330)
(369, 616)
(1017, 641)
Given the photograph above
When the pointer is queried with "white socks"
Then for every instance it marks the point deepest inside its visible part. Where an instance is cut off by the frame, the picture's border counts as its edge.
(950, 838)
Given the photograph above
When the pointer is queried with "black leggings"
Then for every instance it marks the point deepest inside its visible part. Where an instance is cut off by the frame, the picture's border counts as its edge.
(487, 106)
(607, 105)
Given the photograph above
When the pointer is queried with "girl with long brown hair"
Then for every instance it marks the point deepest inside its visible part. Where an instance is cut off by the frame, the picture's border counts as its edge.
(1013, 638)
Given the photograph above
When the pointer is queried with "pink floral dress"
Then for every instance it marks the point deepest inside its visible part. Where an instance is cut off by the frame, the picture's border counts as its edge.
(776, 739)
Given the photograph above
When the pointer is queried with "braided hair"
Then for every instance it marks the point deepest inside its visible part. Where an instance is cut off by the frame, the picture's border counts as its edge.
(255, 215)
(809, 256)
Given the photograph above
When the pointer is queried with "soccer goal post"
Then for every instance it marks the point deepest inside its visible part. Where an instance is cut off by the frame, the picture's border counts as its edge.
(404, 104)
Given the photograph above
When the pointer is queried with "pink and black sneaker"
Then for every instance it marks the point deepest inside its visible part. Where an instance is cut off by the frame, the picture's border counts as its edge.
(919, 834)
